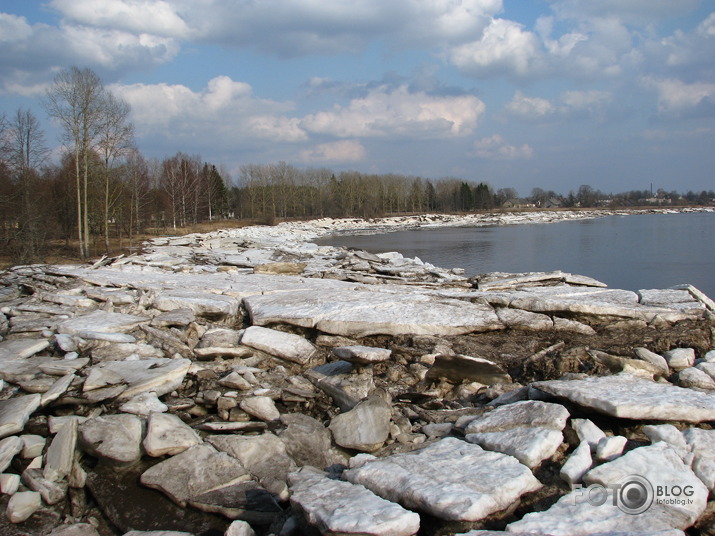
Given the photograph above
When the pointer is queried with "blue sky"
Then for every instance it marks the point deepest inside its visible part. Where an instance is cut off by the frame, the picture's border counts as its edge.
(617, 94)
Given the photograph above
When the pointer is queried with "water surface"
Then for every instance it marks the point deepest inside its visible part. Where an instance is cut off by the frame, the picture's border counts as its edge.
(630, 252)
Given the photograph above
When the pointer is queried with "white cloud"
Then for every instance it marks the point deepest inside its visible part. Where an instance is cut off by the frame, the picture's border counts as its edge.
(529, 108)
(497, 148)
(449, 21)
(290, 27)
(605, 50)
(158, 104)
(13, 28)
(677, 96)
(595, 48)
(132, 35)
(685, 53)
(21, 85)
(399, 113)
(31, 53)
(707, 27)
(504, 47)
(156, 17)
(595, 38)
(341, 151)
(224, 113)
(569, 103)
(609, 38)
(561, 46)
(222, 91)
(275, 128)
(116, 49)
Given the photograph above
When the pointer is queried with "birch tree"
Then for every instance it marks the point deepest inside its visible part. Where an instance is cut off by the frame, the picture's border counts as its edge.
(180, 180)
(76, 101)
(137, 178)
(115, 138)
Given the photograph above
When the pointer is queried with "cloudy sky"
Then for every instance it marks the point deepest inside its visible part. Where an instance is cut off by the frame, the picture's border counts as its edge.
(617, 94)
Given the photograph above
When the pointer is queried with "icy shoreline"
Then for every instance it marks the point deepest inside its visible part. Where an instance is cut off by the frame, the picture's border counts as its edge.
(248, 381)
(286, 233)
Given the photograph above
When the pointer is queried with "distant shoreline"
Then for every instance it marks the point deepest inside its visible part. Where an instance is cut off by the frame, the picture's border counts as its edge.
(310, 230)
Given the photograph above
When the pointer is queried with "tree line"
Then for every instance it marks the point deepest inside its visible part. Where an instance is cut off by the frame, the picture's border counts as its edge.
(102, 192)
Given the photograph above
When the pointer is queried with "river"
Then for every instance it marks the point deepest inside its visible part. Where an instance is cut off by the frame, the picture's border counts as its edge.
(629, 252)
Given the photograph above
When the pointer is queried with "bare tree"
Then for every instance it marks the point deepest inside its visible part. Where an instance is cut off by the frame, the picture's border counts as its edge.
(505, 194)
(24, 151)
(138, 186)
(179, 179)
(171, 184)
(115, 139)
(76, 101)
(283, 184)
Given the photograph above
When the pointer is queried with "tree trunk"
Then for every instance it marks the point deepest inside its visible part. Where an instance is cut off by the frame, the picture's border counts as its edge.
(106, 208)
(85, 212)
(80, 220)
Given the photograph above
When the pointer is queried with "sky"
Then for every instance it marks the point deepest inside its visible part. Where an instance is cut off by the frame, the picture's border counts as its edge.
(616, 94)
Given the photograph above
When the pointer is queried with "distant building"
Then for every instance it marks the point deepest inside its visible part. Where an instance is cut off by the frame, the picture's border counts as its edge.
(518, 203)
(655, 201)
(552, 202)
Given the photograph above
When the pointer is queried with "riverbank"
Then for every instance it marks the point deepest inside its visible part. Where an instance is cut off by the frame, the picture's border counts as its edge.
(320, 228)
(626, 252)
(305, 230)
(249, 381)
(290, 233)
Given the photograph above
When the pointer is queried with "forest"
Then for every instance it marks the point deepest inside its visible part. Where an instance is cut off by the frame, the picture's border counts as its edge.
(102, 195)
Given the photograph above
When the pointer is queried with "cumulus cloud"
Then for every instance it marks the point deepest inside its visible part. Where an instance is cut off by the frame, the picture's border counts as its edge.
(290, 27)
(685, 54)
(226, 113)
(582, 39)
(526, 107)
(14, 28)
(677, 96)
(116, 49)
(275, 128)
(223, 113)
(505, 46)
(589, 48)
(342, 151)
(568, 103)
(296, 27)
(562, 46)
(30, 53)
(707, 27)
(592, 49)
(399, 113)
(449, 21)
(121, 35)
(155, 17)
(594, 38)
(497, 148)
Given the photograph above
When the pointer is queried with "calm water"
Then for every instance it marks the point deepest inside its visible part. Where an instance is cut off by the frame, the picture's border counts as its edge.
(629, 252)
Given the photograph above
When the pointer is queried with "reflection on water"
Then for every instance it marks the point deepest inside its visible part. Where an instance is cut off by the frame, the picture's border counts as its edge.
(633, 252)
